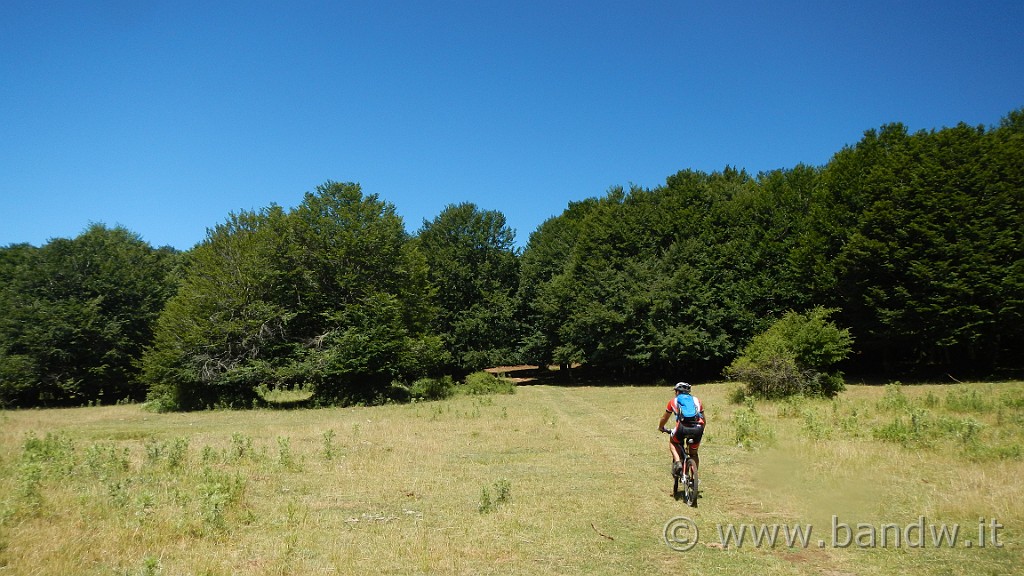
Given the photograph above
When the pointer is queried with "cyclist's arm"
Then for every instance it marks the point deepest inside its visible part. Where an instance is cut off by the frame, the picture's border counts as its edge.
(664, 420)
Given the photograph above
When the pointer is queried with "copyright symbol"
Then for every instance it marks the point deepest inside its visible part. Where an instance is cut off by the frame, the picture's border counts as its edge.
(681, 533)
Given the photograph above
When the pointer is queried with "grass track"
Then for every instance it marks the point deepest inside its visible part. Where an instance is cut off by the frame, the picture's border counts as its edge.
(551, 480)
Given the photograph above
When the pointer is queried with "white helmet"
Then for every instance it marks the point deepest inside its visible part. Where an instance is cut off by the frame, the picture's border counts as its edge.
(682, 387)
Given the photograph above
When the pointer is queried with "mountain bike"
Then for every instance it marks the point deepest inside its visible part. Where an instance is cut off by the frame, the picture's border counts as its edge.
(684, 479)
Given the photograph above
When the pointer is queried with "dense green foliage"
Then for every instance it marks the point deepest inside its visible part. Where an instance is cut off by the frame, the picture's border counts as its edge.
(75, 316)
(929, 272)
(672, 279)
(331, 295)
(474, 270)
(795, 355)
(916, 240)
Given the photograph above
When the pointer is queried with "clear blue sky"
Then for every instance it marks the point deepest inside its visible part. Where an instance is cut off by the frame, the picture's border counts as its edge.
(164, 117)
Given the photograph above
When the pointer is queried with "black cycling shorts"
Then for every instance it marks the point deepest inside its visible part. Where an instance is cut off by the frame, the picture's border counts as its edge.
(684, 431)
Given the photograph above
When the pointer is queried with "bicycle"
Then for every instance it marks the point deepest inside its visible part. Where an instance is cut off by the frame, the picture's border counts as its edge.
(684, 479)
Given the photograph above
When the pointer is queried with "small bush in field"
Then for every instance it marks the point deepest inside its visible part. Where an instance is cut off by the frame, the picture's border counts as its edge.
(502, 495)
(481, 383)
(433, 388)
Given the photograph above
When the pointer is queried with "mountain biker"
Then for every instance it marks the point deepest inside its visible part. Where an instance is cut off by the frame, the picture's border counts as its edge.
(689, 413)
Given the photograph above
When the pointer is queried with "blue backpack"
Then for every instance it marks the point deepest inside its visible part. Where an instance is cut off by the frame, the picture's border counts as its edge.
(687, 409)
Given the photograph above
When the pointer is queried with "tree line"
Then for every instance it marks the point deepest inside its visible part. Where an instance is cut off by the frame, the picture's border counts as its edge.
(913, 242)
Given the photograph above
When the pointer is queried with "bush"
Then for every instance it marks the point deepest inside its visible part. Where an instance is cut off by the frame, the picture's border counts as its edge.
(481, 383)
(399, 393)
(433, 388)
(963, 401)
(794, 356)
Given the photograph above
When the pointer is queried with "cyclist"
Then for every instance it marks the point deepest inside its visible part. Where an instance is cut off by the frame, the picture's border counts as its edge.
(689, 413)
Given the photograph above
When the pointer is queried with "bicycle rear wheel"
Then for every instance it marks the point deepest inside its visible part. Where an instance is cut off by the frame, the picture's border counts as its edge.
(690, 488)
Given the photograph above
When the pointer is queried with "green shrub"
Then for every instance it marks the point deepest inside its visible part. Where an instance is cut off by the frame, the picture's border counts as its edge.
(174, 453)
(816, 426)
(29, 490)
(850, 423)
(738, 394)
(1013, 399)
(792, 407)
(503, 494)
(216, 494)
(966, 429)
(433, 388)
(794, 356)
(53, 448)
(481, 383)
(241, 446)
(285, 456)
(399, 393)
(329, 450)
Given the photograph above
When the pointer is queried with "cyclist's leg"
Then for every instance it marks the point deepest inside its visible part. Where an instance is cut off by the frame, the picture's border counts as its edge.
(674, 448)
(677, 456)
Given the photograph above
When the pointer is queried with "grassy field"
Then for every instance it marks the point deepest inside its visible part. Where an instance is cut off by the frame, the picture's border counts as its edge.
(550, 480)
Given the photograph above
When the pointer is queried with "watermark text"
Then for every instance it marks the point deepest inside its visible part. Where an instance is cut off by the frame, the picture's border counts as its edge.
(681, 533)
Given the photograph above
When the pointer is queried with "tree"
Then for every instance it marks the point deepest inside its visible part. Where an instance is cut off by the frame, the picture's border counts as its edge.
(929, 271)
(216, 337)
(332, 296)
(668, 279)
(545, 285)
(474, 269)
(76, 314)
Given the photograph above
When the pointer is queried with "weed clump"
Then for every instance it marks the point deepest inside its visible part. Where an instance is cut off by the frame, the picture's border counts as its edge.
(285, 456)
(502, 495)
(919, 423)
(968, 401)
(750, 430)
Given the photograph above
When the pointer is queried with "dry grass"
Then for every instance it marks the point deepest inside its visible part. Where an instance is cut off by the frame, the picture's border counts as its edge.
(551, 480)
